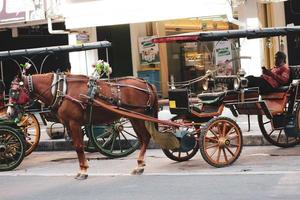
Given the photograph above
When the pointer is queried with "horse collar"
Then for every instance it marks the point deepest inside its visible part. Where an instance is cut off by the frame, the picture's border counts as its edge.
(30, 84)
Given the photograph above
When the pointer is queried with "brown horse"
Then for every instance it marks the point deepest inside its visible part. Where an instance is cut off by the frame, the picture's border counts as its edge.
(129, 92)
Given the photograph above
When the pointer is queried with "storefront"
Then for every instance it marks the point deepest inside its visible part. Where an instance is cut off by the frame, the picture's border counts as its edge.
(23, 25)
(147, 19)
(129, 24)
(187, 61)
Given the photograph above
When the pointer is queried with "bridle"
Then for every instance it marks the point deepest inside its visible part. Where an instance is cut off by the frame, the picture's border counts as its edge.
(36, 97)
(30, 84)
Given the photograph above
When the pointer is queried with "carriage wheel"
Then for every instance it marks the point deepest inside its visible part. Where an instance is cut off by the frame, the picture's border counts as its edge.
(180, 154)
(115, 140)
(3, 111)
(12, 149)
(31, 129)
(221, 142)
(276, 137)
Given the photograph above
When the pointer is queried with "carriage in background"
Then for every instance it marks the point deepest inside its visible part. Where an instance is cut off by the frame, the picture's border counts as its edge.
(277, 112)
(198, 123)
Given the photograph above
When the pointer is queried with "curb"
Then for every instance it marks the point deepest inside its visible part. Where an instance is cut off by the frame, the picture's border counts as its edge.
(62, 145)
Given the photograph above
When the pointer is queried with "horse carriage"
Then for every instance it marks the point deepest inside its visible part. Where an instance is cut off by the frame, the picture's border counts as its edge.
(277, 111)
(27, 126)
(198, 124)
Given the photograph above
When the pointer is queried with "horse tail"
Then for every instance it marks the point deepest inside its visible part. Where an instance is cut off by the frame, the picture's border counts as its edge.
(155, 106)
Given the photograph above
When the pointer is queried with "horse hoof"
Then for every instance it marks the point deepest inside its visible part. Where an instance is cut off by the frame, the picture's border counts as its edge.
(137, 171)
(80, 176)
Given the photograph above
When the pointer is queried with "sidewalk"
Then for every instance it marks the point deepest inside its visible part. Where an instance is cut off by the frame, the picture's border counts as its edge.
(250, 138)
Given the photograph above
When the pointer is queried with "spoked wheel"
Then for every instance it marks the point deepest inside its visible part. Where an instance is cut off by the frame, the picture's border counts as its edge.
(115, 140)
(31, 130)
(189, 143)
(12, 149)
(3, 111)
(221, 142)
(276, 137)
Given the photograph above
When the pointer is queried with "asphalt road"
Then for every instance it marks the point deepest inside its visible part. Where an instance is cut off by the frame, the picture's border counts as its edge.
(260, 173)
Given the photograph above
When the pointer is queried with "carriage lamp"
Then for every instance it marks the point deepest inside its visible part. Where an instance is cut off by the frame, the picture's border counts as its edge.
(243, 82)
(209, 82)
(236, 84)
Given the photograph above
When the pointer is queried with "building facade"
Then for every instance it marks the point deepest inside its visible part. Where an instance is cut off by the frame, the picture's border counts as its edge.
(130, 24)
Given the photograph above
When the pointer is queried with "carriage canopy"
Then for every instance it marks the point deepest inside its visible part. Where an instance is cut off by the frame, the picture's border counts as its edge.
(228, 34)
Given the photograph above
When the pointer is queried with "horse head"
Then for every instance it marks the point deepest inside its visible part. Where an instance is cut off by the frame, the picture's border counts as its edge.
(18, 96)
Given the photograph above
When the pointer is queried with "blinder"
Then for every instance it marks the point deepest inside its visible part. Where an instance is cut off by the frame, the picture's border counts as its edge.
(18, 94)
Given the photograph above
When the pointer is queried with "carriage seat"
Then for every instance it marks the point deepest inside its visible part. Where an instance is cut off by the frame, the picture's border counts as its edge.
(294, 73)
(211, 98)
(284, 88)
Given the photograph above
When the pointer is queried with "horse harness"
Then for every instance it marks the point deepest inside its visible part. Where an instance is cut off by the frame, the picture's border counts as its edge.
(115, 88)
(59, 89)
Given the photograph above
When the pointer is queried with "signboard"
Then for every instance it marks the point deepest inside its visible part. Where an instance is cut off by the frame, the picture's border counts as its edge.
(82, 38)
(149, 53)
(222, 51)
(223, 54)
(12, 11)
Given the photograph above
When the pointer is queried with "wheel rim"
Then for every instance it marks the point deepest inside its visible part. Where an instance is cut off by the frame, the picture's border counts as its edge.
(11, 150)
(275, 137)
(31, 130)
(222, 142)
(118, 139)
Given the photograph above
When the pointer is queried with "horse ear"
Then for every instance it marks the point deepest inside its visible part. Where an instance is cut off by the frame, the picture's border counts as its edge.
(25, 67)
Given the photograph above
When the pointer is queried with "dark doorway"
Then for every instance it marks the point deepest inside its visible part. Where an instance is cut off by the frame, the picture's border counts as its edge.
(292, 16)
(120, 52)
(33, 37)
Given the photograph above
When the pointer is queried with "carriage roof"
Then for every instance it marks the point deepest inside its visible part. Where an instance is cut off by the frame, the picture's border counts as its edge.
(228, 34)
(55, 49)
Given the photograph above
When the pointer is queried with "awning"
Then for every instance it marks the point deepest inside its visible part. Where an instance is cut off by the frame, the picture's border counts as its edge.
(112, 12)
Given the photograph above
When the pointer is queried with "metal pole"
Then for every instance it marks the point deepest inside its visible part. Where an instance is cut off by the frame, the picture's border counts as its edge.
(86, 65)
(106, 52)
(1, 70)
(249, 123)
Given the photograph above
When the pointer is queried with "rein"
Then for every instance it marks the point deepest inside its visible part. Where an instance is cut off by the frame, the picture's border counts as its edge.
(130, 86)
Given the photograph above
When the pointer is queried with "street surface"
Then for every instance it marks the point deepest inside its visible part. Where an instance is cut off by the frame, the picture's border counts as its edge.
(264, 172)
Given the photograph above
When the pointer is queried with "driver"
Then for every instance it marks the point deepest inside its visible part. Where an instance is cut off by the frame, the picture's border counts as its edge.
(278, 76)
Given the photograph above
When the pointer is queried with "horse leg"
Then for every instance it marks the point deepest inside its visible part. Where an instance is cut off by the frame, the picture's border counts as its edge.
(144, 139)
(77, 138)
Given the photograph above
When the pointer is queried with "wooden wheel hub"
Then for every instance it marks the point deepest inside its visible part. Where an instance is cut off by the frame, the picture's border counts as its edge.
(118, 127)
(223, 142)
